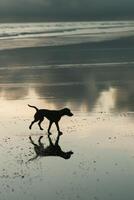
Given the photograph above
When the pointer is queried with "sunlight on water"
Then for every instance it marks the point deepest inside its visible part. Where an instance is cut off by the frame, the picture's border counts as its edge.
(107, 100)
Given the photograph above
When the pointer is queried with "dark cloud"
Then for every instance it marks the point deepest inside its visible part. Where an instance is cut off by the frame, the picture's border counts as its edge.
(64, 9)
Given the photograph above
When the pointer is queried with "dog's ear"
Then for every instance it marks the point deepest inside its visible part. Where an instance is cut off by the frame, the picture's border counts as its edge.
(67, 109)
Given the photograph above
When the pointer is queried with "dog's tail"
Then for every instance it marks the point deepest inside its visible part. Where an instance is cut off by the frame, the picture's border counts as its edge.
(33, 107)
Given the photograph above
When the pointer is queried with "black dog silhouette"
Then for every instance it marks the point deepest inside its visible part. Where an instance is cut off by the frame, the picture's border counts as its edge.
(53, 116)
(51, 150)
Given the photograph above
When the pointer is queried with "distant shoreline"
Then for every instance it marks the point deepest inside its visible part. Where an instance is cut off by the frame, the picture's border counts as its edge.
(124, 42)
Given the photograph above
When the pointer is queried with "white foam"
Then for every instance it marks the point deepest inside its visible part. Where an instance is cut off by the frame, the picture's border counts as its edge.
(16, 35)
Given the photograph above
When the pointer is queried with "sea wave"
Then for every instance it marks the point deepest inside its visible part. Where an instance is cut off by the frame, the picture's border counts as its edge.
(16, 35)
(23, 30)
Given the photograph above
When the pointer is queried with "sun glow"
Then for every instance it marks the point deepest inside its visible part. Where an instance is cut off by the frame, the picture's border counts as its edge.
(106, 101)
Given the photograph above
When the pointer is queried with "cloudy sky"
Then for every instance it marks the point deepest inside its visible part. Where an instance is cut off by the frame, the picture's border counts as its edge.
(67, 9)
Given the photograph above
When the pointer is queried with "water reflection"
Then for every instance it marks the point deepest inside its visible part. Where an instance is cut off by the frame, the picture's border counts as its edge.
(83, 87)
(53, 149)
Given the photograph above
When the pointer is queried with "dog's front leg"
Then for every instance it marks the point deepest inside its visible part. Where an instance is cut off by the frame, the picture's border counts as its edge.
(50, 124)
(58, 129)
(50, 140)
(39, 141)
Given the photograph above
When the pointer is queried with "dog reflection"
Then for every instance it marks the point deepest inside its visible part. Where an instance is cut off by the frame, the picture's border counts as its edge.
(53, 149)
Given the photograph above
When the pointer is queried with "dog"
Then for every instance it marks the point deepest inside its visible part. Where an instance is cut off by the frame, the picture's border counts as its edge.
(53, 116)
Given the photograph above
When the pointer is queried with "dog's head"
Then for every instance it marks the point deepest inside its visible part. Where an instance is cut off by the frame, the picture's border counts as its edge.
(66, 111)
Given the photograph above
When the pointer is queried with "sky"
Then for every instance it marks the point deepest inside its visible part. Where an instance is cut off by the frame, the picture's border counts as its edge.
(67, 9)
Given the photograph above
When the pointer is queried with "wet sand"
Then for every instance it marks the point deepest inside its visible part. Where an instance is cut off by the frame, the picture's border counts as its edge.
(100, 133)
(100, 168)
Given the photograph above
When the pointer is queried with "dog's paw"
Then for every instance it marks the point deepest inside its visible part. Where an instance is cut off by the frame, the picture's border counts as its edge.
(60, 133)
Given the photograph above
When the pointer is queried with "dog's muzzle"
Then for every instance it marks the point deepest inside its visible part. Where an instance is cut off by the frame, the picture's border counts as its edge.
(71, 114)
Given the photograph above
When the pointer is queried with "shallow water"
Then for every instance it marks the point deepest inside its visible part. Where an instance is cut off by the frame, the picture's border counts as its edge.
(100, 133)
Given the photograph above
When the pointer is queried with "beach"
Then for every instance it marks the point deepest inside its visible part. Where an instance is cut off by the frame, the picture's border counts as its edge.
(95, 80)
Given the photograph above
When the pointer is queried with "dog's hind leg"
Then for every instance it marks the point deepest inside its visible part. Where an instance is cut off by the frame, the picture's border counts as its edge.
(35, 120)
(40, 123)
